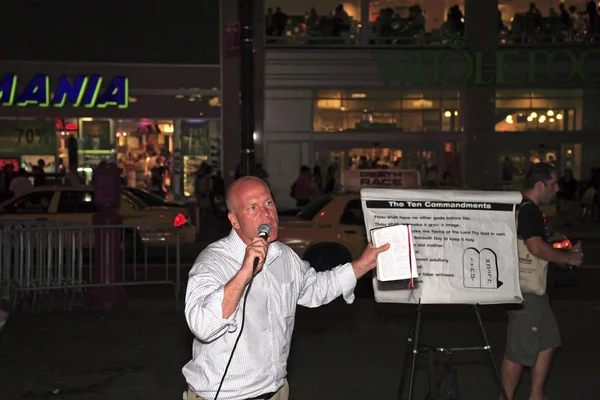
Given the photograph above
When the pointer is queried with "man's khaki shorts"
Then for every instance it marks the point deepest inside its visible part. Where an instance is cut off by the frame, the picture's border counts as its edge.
(282, 394)
(532, 329)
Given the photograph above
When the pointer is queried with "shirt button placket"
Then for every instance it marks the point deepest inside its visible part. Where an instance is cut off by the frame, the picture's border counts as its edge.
(272, 313)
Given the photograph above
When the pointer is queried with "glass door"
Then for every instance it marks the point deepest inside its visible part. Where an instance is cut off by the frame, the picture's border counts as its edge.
(423, 158)
(571, 159)
(450, 170)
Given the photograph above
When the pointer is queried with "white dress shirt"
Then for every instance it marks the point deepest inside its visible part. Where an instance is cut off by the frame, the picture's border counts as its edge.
(259, 363)
(20, 186)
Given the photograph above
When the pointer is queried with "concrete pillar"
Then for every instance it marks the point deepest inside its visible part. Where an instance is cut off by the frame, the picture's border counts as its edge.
(259, 79)
(590, 157)
(230, 84)
(478, 102)
(177, 180)
(230, 98)
(365, 30)
(590, 118)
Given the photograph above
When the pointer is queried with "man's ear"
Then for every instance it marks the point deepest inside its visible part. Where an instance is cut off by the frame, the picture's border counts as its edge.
(233, 219)
(540, 185)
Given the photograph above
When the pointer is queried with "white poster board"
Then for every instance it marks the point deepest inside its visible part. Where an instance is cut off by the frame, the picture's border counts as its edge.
(465, 243)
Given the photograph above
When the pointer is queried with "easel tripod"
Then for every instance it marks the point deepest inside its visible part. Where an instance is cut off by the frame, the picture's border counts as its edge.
(414, 349)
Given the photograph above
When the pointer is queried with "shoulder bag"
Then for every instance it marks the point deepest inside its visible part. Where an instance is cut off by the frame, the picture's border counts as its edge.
(532, 270)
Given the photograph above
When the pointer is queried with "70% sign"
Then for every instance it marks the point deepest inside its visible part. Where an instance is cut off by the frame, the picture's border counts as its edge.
(32, 136)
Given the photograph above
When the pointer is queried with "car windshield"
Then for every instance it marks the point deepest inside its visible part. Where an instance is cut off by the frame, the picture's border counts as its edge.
(149, 199)
(313, 208)
(135, 201)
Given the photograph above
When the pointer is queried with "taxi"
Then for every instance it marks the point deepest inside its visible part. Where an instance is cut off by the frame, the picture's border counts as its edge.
(330, 230)
(327, 232)
(74, 205)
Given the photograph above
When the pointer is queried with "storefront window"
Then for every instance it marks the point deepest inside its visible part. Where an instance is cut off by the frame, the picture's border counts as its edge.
(66, 128)
(514, 165)
(28, 143)
(387, 110)
(539, 110)
(200, 142)
(450, 172)
(420, 158)
(144, 152)
(142, 148)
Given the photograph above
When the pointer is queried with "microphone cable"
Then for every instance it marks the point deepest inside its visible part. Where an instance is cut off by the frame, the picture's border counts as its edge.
(241, 328)
(239, 335)
(264, 231)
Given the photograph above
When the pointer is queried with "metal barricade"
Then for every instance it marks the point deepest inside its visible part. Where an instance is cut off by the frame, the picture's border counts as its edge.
(46, 262)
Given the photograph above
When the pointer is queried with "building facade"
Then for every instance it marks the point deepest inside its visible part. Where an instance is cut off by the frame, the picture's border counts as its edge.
(129, 83)
(469, 97)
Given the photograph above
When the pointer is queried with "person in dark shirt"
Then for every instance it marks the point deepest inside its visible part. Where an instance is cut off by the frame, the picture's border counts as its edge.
(532, 330)
(39, 175)
(568, 197)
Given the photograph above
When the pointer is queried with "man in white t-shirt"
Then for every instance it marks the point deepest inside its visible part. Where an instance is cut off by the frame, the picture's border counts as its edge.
(20, 185)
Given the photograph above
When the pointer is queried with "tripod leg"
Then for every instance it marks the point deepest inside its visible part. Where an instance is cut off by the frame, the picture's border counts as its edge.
(415, 352)
(405, 363)
(489, 349)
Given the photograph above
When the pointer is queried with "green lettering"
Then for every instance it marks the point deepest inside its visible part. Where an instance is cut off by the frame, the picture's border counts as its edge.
(416, 61)
(581, 64)
(534, 68)
(455, 66)
(467, 65)
(479, 67)
(501, 66)
(391, 67)
(571, 65)
(436, 68)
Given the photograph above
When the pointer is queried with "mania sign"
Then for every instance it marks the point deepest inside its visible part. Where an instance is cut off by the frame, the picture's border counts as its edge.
(91, 91)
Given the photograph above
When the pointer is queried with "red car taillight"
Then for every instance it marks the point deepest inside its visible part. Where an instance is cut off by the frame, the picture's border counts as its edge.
(564, 244)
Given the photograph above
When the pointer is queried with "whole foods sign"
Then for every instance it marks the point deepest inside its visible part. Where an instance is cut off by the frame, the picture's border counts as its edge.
(560, 65)
(89, 91)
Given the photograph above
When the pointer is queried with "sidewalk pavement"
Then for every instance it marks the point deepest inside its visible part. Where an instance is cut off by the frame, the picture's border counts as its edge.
(339, 352)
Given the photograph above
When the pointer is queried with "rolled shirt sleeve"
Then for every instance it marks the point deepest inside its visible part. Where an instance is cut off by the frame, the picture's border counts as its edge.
(203, 305)
(318, 288)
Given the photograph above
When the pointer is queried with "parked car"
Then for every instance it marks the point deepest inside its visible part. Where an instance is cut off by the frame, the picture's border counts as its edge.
(75, 205)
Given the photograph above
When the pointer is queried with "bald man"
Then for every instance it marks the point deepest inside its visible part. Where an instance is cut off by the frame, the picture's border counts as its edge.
(218, 283)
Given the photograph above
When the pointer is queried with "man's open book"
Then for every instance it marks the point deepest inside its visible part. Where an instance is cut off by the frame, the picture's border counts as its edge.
(399, 262)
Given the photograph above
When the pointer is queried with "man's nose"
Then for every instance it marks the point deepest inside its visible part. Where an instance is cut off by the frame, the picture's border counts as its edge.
(266, 210)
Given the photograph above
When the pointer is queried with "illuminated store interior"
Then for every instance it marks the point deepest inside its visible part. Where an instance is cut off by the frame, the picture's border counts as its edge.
(420, 111)
(137, 145)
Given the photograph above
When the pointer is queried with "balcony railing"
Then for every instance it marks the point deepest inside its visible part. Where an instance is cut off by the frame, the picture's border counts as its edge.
(399, 32)
(299, 36)
(543, 39)
(357, 39)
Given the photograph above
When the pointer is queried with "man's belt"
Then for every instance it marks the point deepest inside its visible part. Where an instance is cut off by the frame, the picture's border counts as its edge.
(264, 396)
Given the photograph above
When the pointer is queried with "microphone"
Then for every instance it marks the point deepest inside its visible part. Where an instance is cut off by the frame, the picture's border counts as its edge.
(264, 231)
